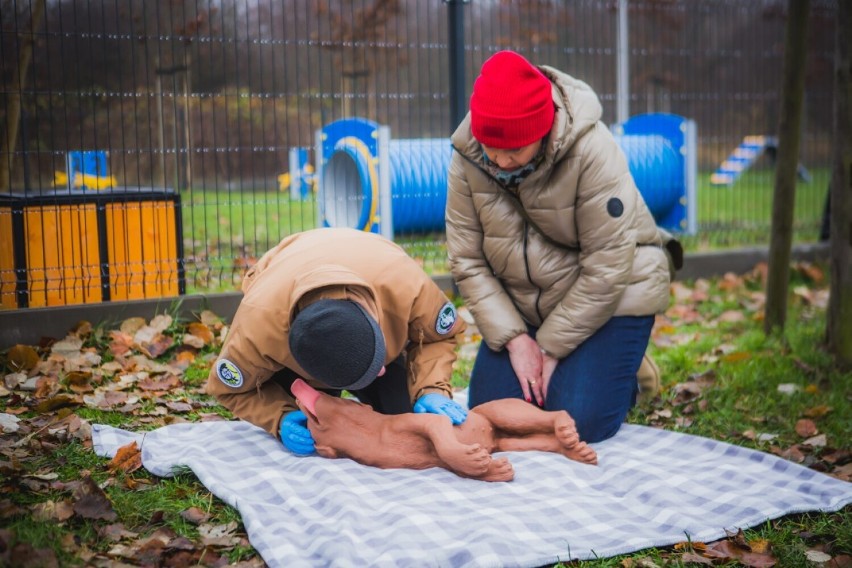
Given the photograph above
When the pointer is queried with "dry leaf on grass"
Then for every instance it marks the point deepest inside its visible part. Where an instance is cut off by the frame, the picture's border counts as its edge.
(128, 459)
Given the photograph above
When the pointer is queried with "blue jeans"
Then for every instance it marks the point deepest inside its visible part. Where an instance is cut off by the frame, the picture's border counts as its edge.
(596, 383)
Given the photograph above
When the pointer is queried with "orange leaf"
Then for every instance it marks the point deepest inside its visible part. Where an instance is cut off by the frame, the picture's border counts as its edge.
(201, 331)
(184, 359)
(817, 411)
(736, 357)
(127, 459)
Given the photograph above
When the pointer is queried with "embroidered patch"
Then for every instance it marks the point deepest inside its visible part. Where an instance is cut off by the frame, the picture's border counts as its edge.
(446, 319)
(229, 373)
(615, 207)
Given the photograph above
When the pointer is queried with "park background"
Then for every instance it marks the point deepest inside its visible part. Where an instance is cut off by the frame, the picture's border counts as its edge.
(185, 116)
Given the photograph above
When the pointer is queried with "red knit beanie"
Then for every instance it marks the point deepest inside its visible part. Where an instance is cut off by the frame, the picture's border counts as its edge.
(512, 104)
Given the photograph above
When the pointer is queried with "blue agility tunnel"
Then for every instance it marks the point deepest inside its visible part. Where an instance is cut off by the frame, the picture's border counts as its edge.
(368, 181)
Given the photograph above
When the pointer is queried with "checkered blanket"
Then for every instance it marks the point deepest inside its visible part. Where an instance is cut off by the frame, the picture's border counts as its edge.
(652, 488)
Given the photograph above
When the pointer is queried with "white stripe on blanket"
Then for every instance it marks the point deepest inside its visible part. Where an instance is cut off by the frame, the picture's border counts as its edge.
(652, 488)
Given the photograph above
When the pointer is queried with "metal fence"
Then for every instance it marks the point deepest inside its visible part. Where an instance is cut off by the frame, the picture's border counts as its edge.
(152, 148)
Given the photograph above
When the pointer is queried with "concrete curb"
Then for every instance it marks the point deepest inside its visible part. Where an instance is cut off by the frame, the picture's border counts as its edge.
(29, 326)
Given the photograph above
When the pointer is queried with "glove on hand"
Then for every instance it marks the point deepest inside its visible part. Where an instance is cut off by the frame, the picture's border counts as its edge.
(295, 434)
(440, 404)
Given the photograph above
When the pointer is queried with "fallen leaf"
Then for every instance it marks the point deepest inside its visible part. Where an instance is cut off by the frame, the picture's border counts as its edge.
(128, 459)
(184, 359)
(793, 454)
(731, 316)
(817, 556)
(22, 358)
(155, 345)
(121, 343)
(82, 328)
(59, 401)
(202, 331)
(817, 411)
(9, 423)
(162, 322)
(115, 532)
(806, 428)
(727, 551)
(194, 515)
(693, 558)
(838, 456)
(841, 561)
(175, 406)
(48, 511)
(811, 271)
(14, 380)
(816, 441)
(91, 502)
(193, 341)
(68, 347)
(131, 325)
(163, 384)
(736, 357)
(24, 555)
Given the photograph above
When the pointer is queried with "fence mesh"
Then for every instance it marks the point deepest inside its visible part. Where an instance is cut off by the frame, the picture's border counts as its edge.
(158, 146)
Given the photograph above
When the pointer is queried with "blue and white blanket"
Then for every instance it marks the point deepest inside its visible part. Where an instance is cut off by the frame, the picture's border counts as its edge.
(652, 488)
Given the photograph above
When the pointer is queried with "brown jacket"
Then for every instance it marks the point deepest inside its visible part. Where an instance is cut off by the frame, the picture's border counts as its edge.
(366, 266)
(608, 260)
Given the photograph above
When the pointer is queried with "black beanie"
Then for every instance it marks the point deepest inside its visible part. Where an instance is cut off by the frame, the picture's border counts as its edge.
(339, 343)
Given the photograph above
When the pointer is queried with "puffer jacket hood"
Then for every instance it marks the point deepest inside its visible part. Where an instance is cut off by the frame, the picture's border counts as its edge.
(568, 248)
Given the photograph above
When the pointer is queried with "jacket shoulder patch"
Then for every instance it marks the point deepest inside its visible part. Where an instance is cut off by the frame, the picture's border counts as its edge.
(229, 373)
(446, 319)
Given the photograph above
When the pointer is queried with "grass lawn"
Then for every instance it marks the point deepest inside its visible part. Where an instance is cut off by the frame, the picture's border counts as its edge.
(226, 230)
(63, 506)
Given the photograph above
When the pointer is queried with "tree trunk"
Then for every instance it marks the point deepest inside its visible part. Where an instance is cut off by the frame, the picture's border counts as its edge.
(789, 126)
(839, 328)
(15, 93)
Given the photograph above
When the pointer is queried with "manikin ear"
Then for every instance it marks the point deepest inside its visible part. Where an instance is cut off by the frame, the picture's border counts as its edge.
(327, 451)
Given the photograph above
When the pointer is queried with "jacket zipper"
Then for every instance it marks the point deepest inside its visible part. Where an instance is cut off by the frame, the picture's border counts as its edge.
(529, 274)
(526, 236)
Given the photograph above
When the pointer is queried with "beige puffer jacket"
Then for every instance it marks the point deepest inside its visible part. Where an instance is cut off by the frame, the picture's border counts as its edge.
(610, 261)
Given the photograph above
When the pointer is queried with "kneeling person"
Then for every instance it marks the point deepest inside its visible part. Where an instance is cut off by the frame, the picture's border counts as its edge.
(345, 310)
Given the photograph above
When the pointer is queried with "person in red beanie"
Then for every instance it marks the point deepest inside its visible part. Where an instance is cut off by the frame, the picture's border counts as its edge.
(553, 248)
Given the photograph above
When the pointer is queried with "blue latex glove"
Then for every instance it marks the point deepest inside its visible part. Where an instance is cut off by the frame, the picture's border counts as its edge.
(440, 404)
(295, 434)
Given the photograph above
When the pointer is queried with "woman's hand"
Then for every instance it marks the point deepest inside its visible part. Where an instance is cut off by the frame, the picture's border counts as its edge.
(526, 358)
